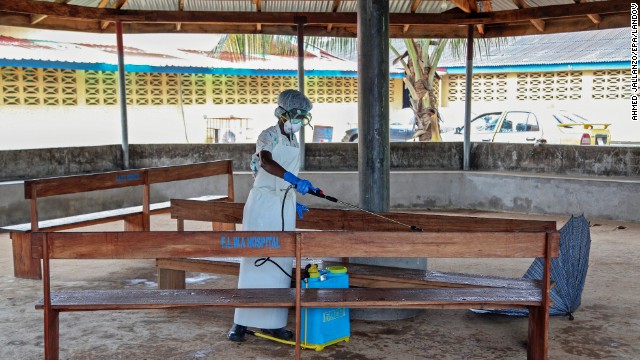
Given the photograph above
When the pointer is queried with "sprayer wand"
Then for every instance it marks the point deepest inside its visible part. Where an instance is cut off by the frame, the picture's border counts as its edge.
(321, 194)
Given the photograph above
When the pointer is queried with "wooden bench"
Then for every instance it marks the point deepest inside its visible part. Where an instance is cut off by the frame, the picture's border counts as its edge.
(172, 272)
(149, 245)
(136, 218)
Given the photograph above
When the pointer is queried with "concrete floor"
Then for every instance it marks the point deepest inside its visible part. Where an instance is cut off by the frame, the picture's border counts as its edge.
(607, 326)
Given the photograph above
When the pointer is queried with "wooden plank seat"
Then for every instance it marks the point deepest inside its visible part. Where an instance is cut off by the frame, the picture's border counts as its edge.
(309, 244)
(136, 218)
(366, 275)
(97, 300)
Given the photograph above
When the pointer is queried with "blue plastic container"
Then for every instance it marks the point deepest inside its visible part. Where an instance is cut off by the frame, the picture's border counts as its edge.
(322, 327)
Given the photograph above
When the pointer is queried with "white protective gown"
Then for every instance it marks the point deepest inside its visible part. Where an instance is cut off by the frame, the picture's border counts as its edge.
(262, 211)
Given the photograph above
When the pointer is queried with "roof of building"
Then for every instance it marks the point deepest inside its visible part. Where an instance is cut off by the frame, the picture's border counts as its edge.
(173, 58)
(588, 47)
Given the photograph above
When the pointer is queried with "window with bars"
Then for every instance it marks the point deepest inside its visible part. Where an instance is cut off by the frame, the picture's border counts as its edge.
(564, 85)
(34, 86)
(486, 87)
(611, 85)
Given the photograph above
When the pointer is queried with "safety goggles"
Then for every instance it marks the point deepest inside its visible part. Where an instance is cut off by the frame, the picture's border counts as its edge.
(298, 116)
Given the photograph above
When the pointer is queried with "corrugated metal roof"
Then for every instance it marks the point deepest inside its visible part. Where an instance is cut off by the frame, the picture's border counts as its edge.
(434, 6)
(12, 48)
(207, 5)
(499, 5)
(566, 48)
(395, 6)
(402, 6)
(297, 6)
(166, 5)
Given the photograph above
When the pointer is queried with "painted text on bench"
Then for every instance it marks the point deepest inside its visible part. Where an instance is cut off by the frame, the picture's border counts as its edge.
(250, 242)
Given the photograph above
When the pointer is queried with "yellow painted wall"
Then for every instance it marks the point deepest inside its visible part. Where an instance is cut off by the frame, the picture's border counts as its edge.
(33, 86)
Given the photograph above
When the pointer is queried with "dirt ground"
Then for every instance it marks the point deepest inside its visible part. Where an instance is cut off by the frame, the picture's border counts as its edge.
(607, 326)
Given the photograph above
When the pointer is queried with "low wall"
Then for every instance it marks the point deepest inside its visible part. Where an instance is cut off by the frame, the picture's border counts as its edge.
(557, 159)
(525, 158)
(603, 198)
(602, 182)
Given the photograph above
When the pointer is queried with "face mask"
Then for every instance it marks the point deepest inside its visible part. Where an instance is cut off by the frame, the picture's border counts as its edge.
(290, 128)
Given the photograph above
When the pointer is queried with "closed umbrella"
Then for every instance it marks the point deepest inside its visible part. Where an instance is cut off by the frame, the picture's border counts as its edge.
(568, 271)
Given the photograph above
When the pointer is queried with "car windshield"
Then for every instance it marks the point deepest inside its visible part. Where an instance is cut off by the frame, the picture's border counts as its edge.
(483, 123)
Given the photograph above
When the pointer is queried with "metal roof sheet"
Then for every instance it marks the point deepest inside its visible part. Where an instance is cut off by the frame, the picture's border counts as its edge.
(207, 5)
(565, 48)
(12, 48)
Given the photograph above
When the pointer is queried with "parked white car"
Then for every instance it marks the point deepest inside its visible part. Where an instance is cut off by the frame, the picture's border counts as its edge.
(521, 126)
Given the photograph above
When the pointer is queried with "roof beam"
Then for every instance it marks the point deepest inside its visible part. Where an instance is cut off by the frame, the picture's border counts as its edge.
(334, 8)
(36, 18)
(594, 17)
(537, 23)
(117, 5)
(610, 21)
(462, 4)
(258, 4)
(180, 8)
(414, 7)
(70, 12)
(469, 6)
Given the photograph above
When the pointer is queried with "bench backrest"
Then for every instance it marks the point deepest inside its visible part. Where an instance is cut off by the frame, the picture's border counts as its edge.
(145, 177)
(179, 244)
(335, 219)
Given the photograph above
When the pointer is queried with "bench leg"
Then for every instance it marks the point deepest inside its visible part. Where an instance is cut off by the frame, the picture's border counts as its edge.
(24, 265)
(51, 335)
(216, 226)
(171, 279)
(538, 346)
(134, 223)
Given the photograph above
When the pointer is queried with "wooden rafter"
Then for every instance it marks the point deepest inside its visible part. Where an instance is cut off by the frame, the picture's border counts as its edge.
(346, 19)
(537, 23)
(414, 7)
(334, 8)
(558, 18)
(469, 6)
(462, 4)
(36, 18)
(258, 4)
(117, 5)
(180, 8)
(594, 17)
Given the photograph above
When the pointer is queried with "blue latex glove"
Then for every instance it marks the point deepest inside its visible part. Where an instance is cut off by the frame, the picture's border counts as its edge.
(302, 186)
(300, 208)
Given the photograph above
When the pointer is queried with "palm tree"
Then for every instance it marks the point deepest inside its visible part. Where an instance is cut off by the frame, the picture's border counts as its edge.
(419, 58)
(420, 75)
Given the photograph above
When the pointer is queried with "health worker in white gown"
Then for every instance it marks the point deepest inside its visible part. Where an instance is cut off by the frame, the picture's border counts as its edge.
(275, 165)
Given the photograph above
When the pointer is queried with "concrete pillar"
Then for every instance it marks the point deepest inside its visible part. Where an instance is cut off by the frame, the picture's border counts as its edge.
(373, 104)
(373, 141)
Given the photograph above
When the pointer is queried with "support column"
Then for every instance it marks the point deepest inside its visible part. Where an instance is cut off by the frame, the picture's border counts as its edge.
(300, 21)
(467, 100)
(122, 88)
(373, 104)
(373, 141)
